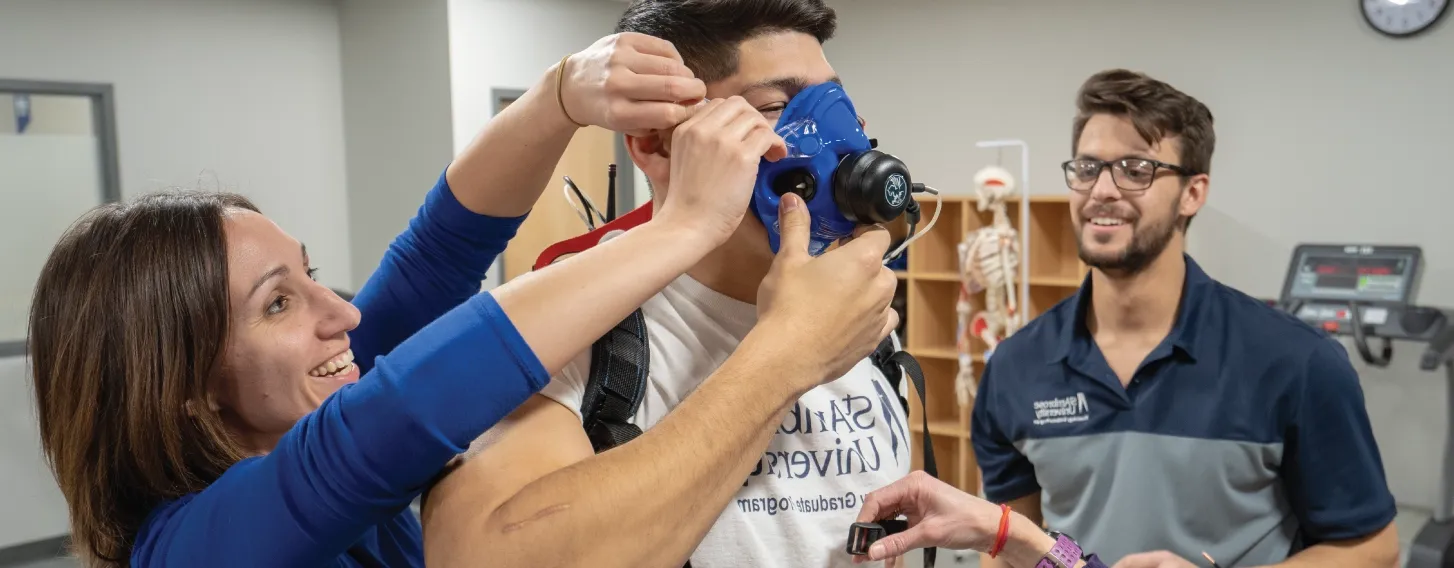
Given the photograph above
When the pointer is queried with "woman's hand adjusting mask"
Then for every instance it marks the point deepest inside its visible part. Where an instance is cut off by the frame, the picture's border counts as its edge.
(714, 160)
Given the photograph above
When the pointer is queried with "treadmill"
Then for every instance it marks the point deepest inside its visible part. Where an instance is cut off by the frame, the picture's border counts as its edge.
(1368, 292)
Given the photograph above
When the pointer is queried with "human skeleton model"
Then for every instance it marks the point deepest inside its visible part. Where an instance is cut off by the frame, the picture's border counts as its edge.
(989, 258)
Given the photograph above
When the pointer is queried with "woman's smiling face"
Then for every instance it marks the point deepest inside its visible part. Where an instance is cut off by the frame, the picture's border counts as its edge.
(288, 346)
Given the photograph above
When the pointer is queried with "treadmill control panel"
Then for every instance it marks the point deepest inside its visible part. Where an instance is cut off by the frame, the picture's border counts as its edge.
(1326, 283)
(1354, 273)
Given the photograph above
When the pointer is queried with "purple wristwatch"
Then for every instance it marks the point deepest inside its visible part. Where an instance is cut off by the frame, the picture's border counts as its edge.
(1064, 554)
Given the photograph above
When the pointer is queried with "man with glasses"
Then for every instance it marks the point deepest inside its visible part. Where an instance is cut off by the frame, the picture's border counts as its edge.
(1158, 414)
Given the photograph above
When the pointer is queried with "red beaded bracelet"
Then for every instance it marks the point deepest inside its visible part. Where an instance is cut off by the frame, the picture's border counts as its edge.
(1004, 533)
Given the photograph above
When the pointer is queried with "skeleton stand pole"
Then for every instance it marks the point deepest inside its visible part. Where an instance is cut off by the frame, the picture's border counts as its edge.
(1024, 298)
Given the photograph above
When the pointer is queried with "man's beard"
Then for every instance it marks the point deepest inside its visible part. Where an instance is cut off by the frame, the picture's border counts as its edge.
(1146, 245)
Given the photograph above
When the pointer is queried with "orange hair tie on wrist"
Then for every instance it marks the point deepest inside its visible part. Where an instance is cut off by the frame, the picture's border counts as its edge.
(1004, 533)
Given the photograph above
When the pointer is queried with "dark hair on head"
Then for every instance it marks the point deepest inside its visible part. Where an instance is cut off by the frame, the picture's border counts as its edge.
(707, 33)
(1157, 110)
(128, 328)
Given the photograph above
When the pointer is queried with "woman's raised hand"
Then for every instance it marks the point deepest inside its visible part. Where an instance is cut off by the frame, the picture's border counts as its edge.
(631, 83)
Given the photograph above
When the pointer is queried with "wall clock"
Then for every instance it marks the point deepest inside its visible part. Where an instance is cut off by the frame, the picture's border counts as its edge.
(1402, 18)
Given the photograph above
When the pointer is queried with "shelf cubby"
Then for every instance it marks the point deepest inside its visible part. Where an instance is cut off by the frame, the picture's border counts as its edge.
(932, 319)
(1055, 257)
(940, 243)
(1043, 298)
(930, 287)
(943, 407)
(949, 451)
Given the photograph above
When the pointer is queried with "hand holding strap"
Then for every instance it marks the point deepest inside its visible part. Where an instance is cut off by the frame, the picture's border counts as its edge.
(890, 361)
(861, 536)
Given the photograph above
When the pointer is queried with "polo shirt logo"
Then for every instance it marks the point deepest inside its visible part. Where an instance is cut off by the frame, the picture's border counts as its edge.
(1062, 410)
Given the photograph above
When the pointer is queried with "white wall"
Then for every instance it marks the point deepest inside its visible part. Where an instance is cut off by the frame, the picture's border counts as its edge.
(212, 93)
(1310, 105)
(397, 118)
(509, 44)
(244, 93)
(34, 508)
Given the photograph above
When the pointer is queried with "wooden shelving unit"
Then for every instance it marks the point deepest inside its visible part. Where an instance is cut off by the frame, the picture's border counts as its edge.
(931, 287)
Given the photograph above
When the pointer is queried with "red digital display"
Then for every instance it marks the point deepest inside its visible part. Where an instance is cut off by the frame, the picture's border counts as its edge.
(1329, 269)
(1357, 274)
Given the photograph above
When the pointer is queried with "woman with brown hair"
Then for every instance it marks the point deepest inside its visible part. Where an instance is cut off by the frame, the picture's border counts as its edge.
(203, 401)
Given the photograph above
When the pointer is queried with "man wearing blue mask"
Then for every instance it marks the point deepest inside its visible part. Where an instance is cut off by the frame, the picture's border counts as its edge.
(730, 470)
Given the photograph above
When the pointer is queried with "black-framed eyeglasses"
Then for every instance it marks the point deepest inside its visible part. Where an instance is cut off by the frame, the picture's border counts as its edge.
(1129, 174)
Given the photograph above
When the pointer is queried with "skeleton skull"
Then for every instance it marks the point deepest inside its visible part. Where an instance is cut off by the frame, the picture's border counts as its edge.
(993, 185)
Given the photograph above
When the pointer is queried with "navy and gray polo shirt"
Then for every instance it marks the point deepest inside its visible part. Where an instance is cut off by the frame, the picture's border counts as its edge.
(1243, 434)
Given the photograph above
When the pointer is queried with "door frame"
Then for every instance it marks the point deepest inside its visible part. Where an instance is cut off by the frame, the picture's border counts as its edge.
(103, 116)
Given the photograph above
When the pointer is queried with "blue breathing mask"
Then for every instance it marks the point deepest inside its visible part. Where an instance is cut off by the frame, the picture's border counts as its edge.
(834, 167)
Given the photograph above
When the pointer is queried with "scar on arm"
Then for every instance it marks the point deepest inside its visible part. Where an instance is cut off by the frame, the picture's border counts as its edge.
(539, 515)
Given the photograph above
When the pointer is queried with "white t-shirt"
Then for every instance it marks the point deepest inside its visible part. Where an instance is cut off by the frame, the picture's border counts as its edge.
(841, 441)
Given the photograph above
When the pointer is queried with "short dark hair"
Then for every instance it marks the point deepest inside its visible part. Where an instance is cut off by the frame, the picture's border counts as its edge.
(707, 33)
(1157, 110)
(127, 331)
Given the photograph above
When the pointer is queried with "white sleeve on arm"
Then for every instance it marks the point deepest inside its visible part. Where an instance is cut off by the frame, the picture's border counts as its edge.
(568, 387)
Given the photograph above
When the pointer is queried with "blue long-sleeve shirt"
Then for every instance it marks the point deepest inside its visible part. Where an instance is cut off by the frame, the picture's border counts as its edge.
(440, 364)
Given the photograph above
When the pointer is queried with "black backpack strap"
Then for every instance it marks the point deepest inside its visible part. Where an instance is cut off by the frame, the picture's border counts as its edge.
(617, 382)
(916, 376)
(893, 364)
(882, 358)
(620, 361)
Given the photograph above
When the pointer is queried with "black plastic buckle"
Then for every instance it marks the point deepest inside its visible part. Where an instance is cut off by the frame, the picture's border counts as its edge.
(861, 536)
